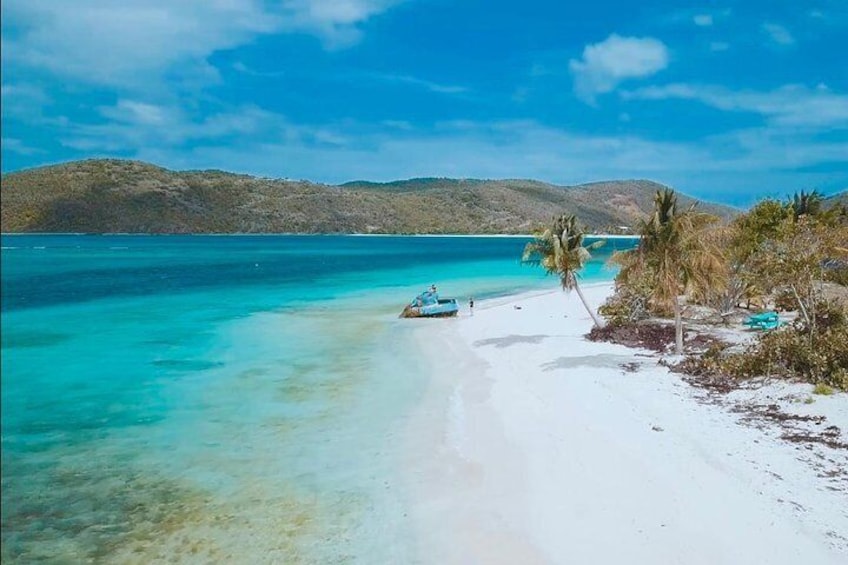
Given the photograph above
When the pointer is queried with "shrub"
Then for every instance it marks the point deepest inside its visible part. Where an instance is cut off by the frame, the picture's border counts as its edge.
(784, 301)
(630, 303)
(794, 351)
(838, 273)
(823, 389)
(790, 352)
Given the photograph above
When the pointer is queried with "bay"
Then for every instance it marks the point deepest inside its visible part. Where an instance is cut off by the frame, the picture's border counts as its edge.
(222, 397)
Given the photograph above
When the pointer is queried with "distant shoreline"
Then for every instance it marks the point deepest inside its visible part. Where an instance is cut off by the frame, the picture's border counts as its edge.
(522, 236)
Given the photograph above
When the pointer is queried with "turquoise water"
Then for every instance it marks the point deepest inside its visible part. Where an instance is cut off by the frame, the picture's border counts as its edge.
(220, 397)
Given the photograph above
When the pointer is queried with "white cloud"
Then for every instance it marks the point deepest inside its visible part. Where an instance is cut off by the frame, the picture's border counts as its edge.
(703, 20)
(132, 42)
(271, 144)
(423, 83)
(244, 69)
(698, 16)
(719, 46)
(508, 149)
(130, 124)
(137, 113)
(778, 34)
(717, 166)
(23, 100)
(605, 65)
(335, 21)
(17, 146)
(789, 106)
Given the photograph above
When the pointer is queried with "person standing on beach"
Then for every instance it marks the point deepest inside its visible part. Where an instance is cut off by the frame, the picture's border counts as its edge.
(471, 305)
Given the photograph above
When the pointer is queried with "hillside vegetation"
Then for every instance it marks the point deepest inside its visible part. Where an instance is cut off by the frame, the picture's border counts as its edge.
(840, 199)
(97, 196)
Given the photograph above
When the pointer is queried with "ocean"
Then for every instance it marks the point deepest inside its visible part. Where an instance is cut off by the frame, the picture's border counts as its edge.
(222, 398)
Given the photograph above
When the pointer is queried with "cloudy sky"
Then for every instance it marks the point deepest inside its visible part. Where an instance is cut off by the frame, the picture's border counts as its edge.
(728, 101)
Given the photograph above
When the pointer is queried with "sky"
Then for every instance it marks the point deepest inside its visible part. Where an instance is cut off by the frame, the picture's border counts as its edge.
(727, 101)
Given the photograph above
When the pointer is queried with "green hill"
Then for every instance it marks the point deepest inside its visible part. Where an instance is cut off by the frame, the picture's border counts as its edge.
(97, 196)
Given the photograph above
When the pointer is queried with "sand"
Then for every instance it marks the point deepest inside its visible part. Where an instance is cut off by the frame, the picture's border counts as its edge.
(534, 445)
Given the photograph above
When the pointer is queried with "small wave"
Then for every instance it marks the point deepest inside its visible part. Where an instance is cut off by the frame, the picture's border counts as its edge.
(5, 247)
(124, 247)
(40, 247)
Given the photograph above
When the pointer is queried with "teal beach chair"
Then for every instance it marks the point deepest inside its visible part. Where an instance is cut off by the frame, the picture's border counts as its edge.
(763, 321)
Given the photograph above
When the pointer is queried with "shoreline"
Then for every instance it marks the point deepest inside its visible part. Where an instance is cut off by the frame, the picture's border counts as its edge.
(540, 446)
(243, 234)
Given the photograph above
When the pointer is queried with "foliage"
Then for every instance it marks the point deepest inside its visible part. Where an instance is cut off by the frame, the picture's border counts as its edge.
(793, 261)
(131, 196)
(677, 255)
(784, 300)
(806, 204)
(785, 250)
(764, 221)
(836, 272)
(778, 252)
(789, 352)
(780, 248)
(629, 303)
(823, 389)
(560, 250)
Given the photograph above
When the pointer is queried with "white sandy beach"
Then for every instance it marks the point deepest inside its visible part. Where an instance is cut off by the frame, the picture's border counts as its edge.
(548, 451)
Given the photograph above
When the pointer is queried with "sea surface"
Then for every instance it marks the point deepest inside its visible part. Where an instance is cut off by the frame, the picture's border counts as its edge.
(222, 398)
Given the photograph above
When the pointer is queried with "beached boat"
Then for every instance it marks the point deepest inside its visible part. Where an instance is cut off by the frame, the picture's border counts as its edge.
(429, 305)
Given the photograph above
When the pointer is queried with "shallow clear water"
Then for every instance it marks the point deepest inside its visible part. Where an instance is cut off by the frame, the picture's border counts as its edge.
(220, 397)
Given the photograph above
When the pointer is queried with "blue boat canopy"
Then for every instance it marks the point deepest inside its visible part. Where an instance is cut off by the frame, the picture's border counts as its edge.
(426, 298)
(429, 305)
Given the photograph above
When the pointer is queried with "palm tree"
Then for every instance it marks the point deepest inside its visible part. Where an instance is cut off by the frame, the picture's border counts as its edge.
(560, 250)
(804, 203)
(676, 257)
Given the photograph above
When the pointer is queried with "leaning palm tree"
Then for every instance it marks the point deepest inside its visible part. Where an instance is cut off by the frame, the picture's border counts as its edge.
(676, 256)
(560, 251)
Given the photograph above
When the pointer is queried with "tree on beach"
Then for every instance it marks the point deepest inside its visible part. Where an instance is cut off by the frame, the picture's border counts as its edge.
(797, 260)
(742, 241)
(791, 254)
(806, 203)
(559, 249)
(676, 256)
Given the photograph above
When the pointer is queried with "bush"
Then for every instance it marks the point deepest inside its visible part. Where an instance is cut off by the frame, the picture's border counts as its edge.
(819, 357)
(837, 274)
(629, 304)
(830, 314)
(789, 352)
(823, 389)
(784, 301)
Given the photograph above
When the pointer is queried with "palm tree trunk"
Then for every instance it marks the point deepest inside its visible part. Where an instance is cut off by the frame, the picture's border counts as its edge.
(678, 327)
(598, 322)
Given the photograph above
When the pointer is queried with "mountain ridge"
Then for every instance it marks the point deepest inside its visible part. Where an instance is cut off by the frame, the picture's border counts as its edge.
(112, 195)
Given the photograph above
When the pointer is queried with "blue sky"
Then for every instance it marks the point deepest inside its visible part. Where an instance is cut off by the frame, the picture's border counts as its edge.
(727, 101)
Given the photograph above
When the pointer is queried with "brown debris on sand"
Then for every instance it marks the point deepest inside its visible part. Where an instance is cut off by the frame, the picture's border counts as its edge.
(647, 335)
